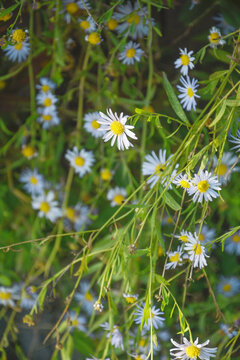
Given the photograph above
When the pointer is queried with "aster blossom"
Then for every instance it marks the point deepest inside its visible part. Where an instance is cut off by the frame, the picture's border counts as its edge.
(215, 37)
(235, 140)
(196, 252)
(204, 186)
(185, 61)
(188, 92)
(192, 350)
(80, 160)
(153, 316)
(131, 53)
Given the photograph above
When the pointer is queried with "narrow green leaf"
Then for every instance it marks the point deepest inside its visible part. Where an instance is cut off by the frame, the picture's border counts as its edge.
(171, 202)
(8, 10)
(220, 114)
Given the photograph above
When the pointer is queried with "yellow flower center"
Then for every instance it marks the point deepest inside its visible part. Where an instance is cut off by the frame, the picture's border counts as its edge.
(159, 168)
(184, 184)
(160, 251)
(138, 357)
(117, 128)
(79, 161)
(203, 186)
(45, 88)
(150, 314)
(47, 117)
(130, 53)
(169, 220)
(222, 170)
(174, 258)
(18, 46)
(5, 295)
(84, 24)
(45, 207)
(192, 351)
(18, 36)
(47, 102)
(94, 38)
(118, 199)
(142, 342)
(112, 24)
(197, 248)
(70, 213)
(72, 8)
(214, 38)
(74, 322)
(106, 174)
(95, 124)
(5, 17)
(201, 237)
(190, 92)
(236, 238)
(2, 84)
(28, 151)
(185, 59)
(130, 299)
(33, 180)
(183, 238)
(134, 19)
(227, 287)
(88, 297)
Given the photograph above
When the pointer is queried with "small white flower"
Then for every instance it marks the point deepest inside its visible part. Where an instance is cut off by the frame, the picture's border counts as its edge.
(29, 152)
(184, 236)
(47, 206)
(188, 93)
(80, 160)
(153, 316)
(204, 186)
(91, 124)
(225, 168)
(117, 196)
(131, 53)
(115, 335)
(215, 37)
(191, 351)
(85, 297)
(183, 181)
(48, 119)
(232, 244)
(98, 306)
(33, 181)
(115, 128)
(185, 61)
(228, 286)
(94, 38)
(130, 298)
(77, 216)
(47, 101)
(155, 165)
(196, 252)
(223, 24)
(28, 298)
(175, 258)
(18, 52)
(8, 295)
(88, 25)
(236, 140)
(46, 85)
(74, 8)
(106, 174)
(77, 321)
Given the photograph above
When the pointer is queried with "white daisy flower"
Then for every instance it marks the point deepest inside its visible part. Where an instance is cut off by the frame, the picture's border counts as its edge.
(94, 38)
(77, 217)
(228, 331)
(88, 25)
(207, 235)
(115, 335)
(8, 295)
(236, 140)
(33, 181)
(225, 169)
(47, 206)
(28, 298)
(115, 128)
(74, 8)
(98, 306)
(91, 124)
(47, 101)
(77, 321)
(155, 165)
(85, 297)
(188, 93)
(215, 37)
(29, 152)
(183, 181)
(117, 196)
(204, 186)
(131, 53)
(106, 174)
(223, 24)
(48, 119)
(46, 85)
(185, 61)
(228, 286)
(184, 236)
(153, 316)
(17, 52)
(196, 252)
(191, 351)
(175, 258)
(136, 23)
(232, 244)
(130, 298)
(80, 160)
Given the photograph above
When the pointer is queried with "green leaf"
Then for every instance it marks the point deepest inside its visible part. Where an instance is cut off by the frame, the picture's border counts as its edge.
(233, 103)
(219, 115)
(8, 10)
(174, 100)
(157, 30)
(5, 281)
(171, 202)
